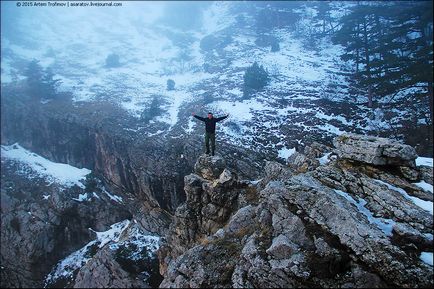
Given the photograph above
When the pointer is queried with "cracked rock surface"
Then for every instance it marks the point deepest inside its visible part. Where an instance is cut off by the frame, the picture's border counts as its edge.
(349, 222)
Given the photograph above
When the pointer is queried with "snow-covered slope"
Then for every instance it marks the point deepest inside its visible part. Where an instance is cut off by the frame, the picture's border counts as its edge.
(63, 174)
(293, 109)
(32, 165)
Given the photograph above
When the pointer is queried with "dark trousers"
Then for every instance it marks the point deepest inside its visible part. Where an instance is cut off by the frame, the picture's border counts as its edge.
(210, 137)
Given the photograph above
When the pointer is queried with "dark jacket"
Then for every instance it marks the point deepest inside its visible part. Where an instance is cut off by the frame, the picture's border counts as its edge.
(210, 122)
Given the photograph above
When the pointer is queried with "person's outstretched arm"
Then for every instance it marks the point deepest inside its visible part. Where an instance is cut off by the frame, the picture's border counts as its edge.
(198, 117)
(221, 118)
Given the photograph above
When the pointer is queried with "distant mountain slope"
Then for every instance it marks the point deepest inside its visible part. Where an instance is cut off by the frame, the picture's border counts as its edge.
(308, 97)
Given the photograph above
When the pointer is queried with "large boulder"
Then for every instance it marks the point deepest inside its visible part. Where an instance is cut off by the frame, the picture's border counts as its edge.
(374, 150)
(209, 167)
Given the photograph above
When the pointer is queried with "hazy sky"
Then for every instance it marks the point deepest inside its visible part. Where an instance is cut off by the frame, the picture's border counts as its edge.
(86, 34)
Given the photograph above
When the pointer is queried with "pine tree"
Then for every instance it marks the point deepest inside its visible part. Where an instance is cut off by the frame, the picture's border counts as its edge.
(170, 84)
(41, 83)
(50, 84)
(255, 78)
(413, 29)
(323, 18)
(153, 109)
(391, 46)
(357, 34)
(34, 73)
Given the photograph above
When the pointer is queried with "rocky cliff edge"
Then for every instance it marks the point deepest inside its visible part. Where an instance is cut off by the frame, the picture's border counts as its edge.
(357, 215)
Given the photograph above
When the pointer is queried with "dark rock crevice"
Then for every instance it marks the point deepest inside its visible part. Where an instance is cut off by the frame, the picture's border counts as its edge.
(69, 133)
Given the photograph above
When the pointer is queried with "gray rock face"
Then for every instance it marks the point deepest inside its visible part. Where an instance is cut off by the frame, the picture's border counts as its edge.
(300, 163)
(275, 171)
(41, 223)
(316, 150)
(343, 224)
(150, 171)
(208, 206)
(102, 271)
(410, 174)
(203, 266)
(374, 150)
(426, 174)
(123, 257)
(380, 190)
(209, 167)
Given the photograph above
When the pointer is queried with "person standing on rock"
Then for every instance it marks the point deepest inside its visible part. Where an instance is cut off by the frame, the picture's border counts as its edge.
(210, 123)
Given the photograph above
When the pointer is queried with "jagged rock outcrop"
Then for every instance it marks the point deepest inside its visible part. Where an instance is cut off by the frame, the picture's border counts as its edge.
(104, 272)
(128, 263)
(300, 163)
(42, 223)
(212, 195)
(316, 150)
(426, 174)
(209, 168)
(346, 223)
